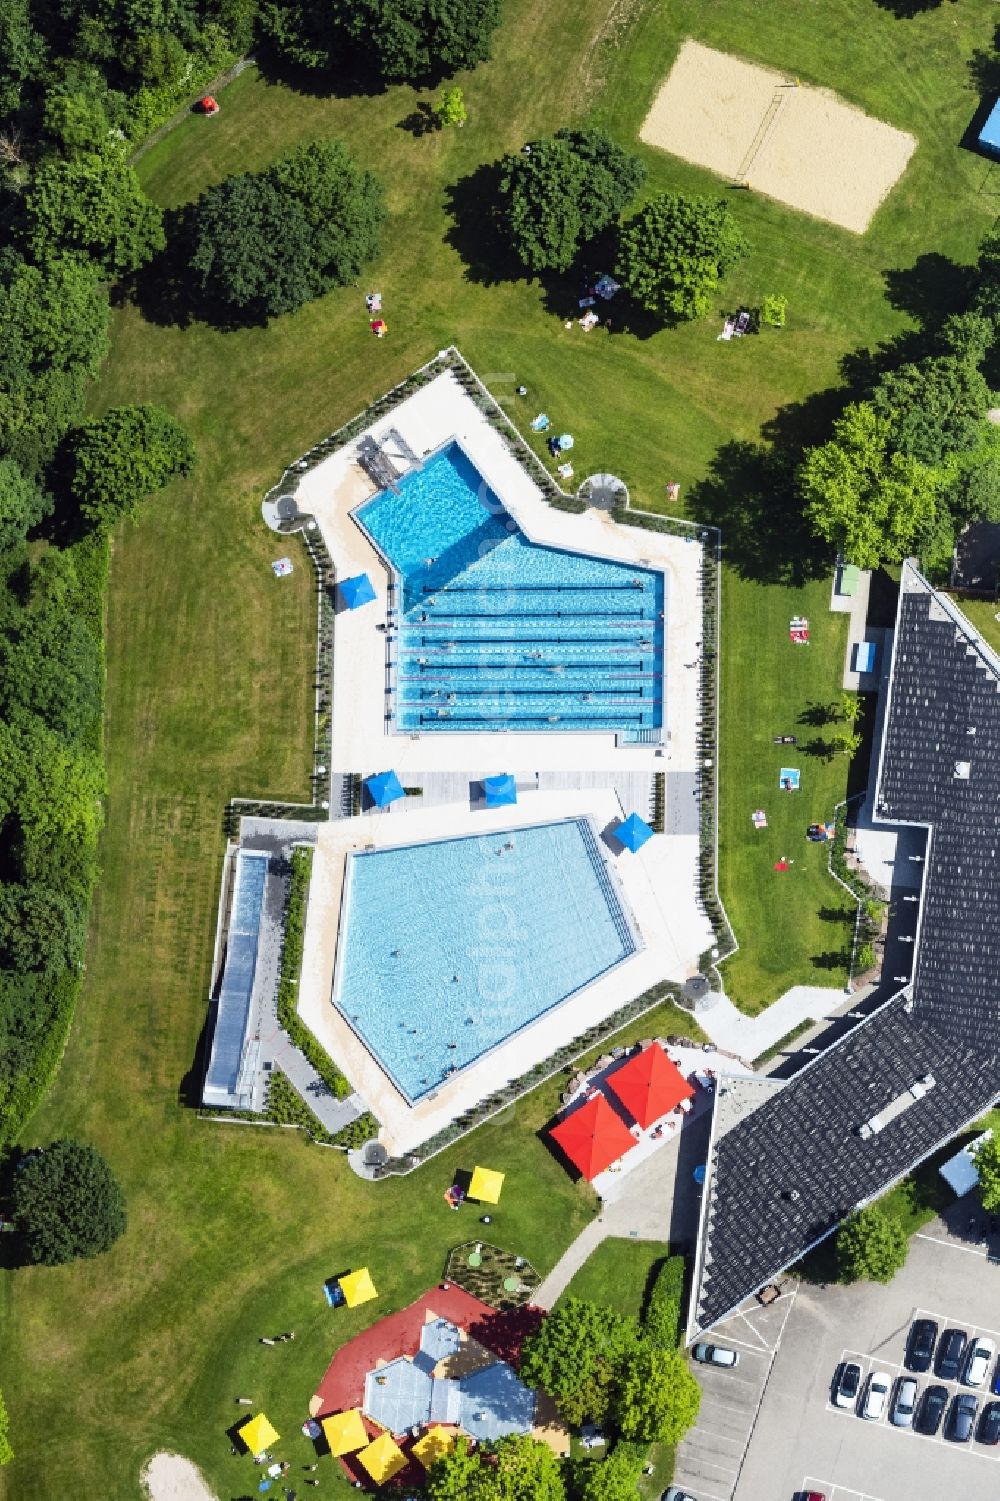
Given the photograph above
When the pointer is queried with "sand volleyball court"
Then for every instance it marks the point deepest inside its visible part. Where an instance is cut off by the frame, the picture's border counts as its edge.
(801, 145)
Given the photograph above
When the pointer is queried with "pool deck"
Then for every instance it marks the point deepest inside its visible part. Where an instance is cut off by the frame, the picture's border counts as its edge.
(659, 885)
(363, 739)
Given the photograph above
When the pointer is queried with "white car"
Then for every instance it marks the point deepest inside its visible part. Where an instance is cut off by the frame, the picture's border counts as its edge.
(903, 1403)
(978, 1361)
(876, 1395)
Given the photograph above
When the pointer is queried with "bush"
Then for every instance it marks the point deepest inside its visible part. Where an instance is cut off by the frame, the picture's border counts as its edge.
(288, 983)
(871, 1246)
(675, 252)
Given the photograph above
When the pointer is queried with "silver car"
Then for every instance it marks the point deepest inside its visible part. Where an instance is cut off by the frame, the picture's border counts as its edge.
(904, 1402)
(716, 1355)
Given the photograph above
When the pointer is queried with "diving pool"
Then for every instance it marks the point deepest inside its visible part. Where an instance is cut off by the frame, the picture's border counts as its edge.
(497, 632)
(448, 948)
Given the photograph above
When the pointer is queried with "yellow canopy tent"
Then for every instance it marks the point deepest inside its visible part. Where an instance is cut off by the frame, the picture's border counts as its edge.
(345, 1432)
(435, 1442)
(383, 1458)
(257, 1433)
(486, 1185)
(358, 1287)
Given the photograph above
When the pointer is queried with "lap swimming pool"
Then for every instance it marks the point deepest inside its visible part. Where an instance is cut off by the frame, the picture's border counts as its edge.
(448, 948)
(497, 632)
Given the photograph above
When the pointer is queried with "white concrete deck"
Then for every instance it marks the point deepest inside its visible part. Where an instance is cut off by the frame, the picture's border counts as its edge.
(659, 885)
(363, 739)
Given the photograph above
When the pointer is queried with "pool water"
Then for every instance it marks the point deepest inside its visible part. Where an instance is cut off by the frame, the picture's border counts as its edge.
(496, 632)
(446, 949)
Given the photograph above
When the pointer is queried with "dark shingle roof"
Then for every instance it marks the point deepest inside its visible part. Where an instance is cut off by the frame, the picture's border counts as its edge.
(784, 1176)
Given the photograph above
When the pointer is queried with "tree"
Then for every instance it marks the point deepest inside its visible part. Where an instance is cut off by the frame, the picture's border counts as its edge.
(870, 1246)
(658, 1397)
(53, 337)
(676, 250)
(988, 1168)
(80, 112)
(515, 1468)
(118, 460)
(50, 666)
(576, 1355)
(22, 506)
(967, 336)
(935, 407)
(450, 108)
(871, 502)
(561, 192)
(262, 244)
(614, 1478)
(850, 707)
(68, 1204)
(92, 203)
(22, 54)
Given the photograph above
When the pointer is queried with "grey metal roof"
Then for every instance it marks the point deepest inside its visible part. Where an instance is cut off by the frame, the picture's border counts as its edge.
(237, 981)
(873, 1106)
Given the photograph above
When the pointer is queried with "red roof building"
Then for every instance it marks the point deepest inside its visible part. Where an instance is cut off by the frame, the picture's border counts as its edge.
(649, 1085)
(593, 1137)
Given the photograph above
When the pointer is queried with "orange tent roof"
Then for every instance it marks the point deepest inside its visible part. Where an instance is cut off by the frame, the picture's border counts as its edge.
(649, 1085)
(593, 1137)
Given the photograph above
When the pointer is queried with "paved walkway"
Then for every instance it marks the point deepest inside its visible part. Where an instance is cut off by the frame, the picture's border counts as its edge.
(749, 1036)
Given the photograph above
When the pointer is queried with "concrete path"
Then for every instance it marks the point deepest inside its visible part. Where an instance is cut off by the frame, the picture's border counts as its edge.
(749, 1036)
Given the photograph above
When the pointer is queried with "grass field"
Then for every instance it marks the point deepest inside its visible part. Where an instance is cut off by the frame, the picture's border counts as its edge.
(233, 1229)
(618, 1274)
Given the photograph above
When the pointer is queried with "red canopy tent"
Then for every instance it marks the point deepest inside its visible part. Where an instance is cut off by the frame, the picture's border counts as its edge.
(649, 1085)
(593, 1137)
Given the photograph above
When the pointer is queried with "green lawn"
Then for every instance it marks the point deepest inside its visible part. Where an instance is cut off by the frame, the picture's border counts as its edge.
(618, 1274)
(233, 1229)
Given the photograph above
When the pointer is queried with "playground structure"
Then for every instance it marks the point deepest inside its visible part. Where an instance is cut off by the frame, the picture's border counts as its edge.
(772, 134)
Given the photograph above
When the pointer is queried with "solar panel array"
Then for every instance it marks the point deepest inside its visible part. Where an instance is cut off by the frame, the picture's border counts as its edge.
(785, 1175)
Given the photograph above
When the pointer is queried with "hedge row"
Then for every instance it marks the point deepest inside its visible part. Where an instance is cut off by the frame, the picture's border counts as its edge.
(288, 984)
(286, 1107)
(665, 1306)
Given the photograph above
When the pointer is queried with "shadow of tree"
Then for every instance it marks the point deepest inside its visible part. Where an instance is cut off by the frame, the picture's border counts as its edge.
(749, 492)
(905, 10)
(474, 233)
(830, 959)
(836, 914)
(818, 714)
(984, 66)
(421, 121)
(929, 290)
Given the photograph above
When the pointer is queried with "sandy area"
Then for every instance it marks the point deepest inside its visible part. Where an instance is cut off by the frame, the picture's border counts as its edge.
(803, 146)
(170, 1477)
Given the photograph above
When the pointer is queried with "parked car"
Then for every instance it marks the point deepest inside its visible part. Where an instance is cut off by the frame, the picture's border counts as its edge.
(876, 1395)
(920, 1345)
(950, 1354)
(716, 1355)
(846, 1384)
(931, 1410)
(676, 1494)
(995, 1384)
(961, 1418)
(904, 1402)
(978, 1360)
(989, 1424)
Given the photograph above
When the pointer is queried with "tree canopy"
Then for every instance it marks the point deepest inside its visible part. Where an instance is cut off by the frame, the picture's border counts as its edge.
(516, 1468)
(561, 192)
(935, 407)
(871, 1246)
(614, 1478)
(988, 1168)
(92, 203)
(658, 1397)
(22, 506)
(68, 1203)
(262, 244)
(397, 41)
(675, 251)
(872, 502)
(116, 461)
(576, 1355)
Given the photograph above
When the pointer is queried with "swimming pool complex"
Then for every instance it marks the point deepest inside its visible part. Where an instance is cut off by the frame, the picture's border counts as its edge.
(447, 949)
(497, 632)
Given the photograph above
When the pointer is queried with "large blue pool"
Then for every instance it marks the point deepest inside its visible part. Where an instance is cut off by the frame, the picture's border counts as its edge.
(498, 633)
(448, 948)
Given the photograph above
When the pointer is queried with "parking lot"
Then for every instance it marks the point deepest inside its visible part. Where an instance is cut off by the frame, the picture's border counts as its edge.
(800, 1442)
(711, 1454)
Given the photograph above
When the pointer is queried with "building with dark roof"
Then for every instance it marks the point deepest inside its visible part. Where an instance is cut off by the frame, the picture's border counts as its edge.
(788, 1164)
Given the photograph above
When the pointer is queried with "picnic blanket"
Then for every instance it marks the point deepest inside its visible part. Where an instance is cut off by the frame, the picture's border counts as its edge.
(788, 779)
(798, 630)
(282, 567)
(759, 818)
